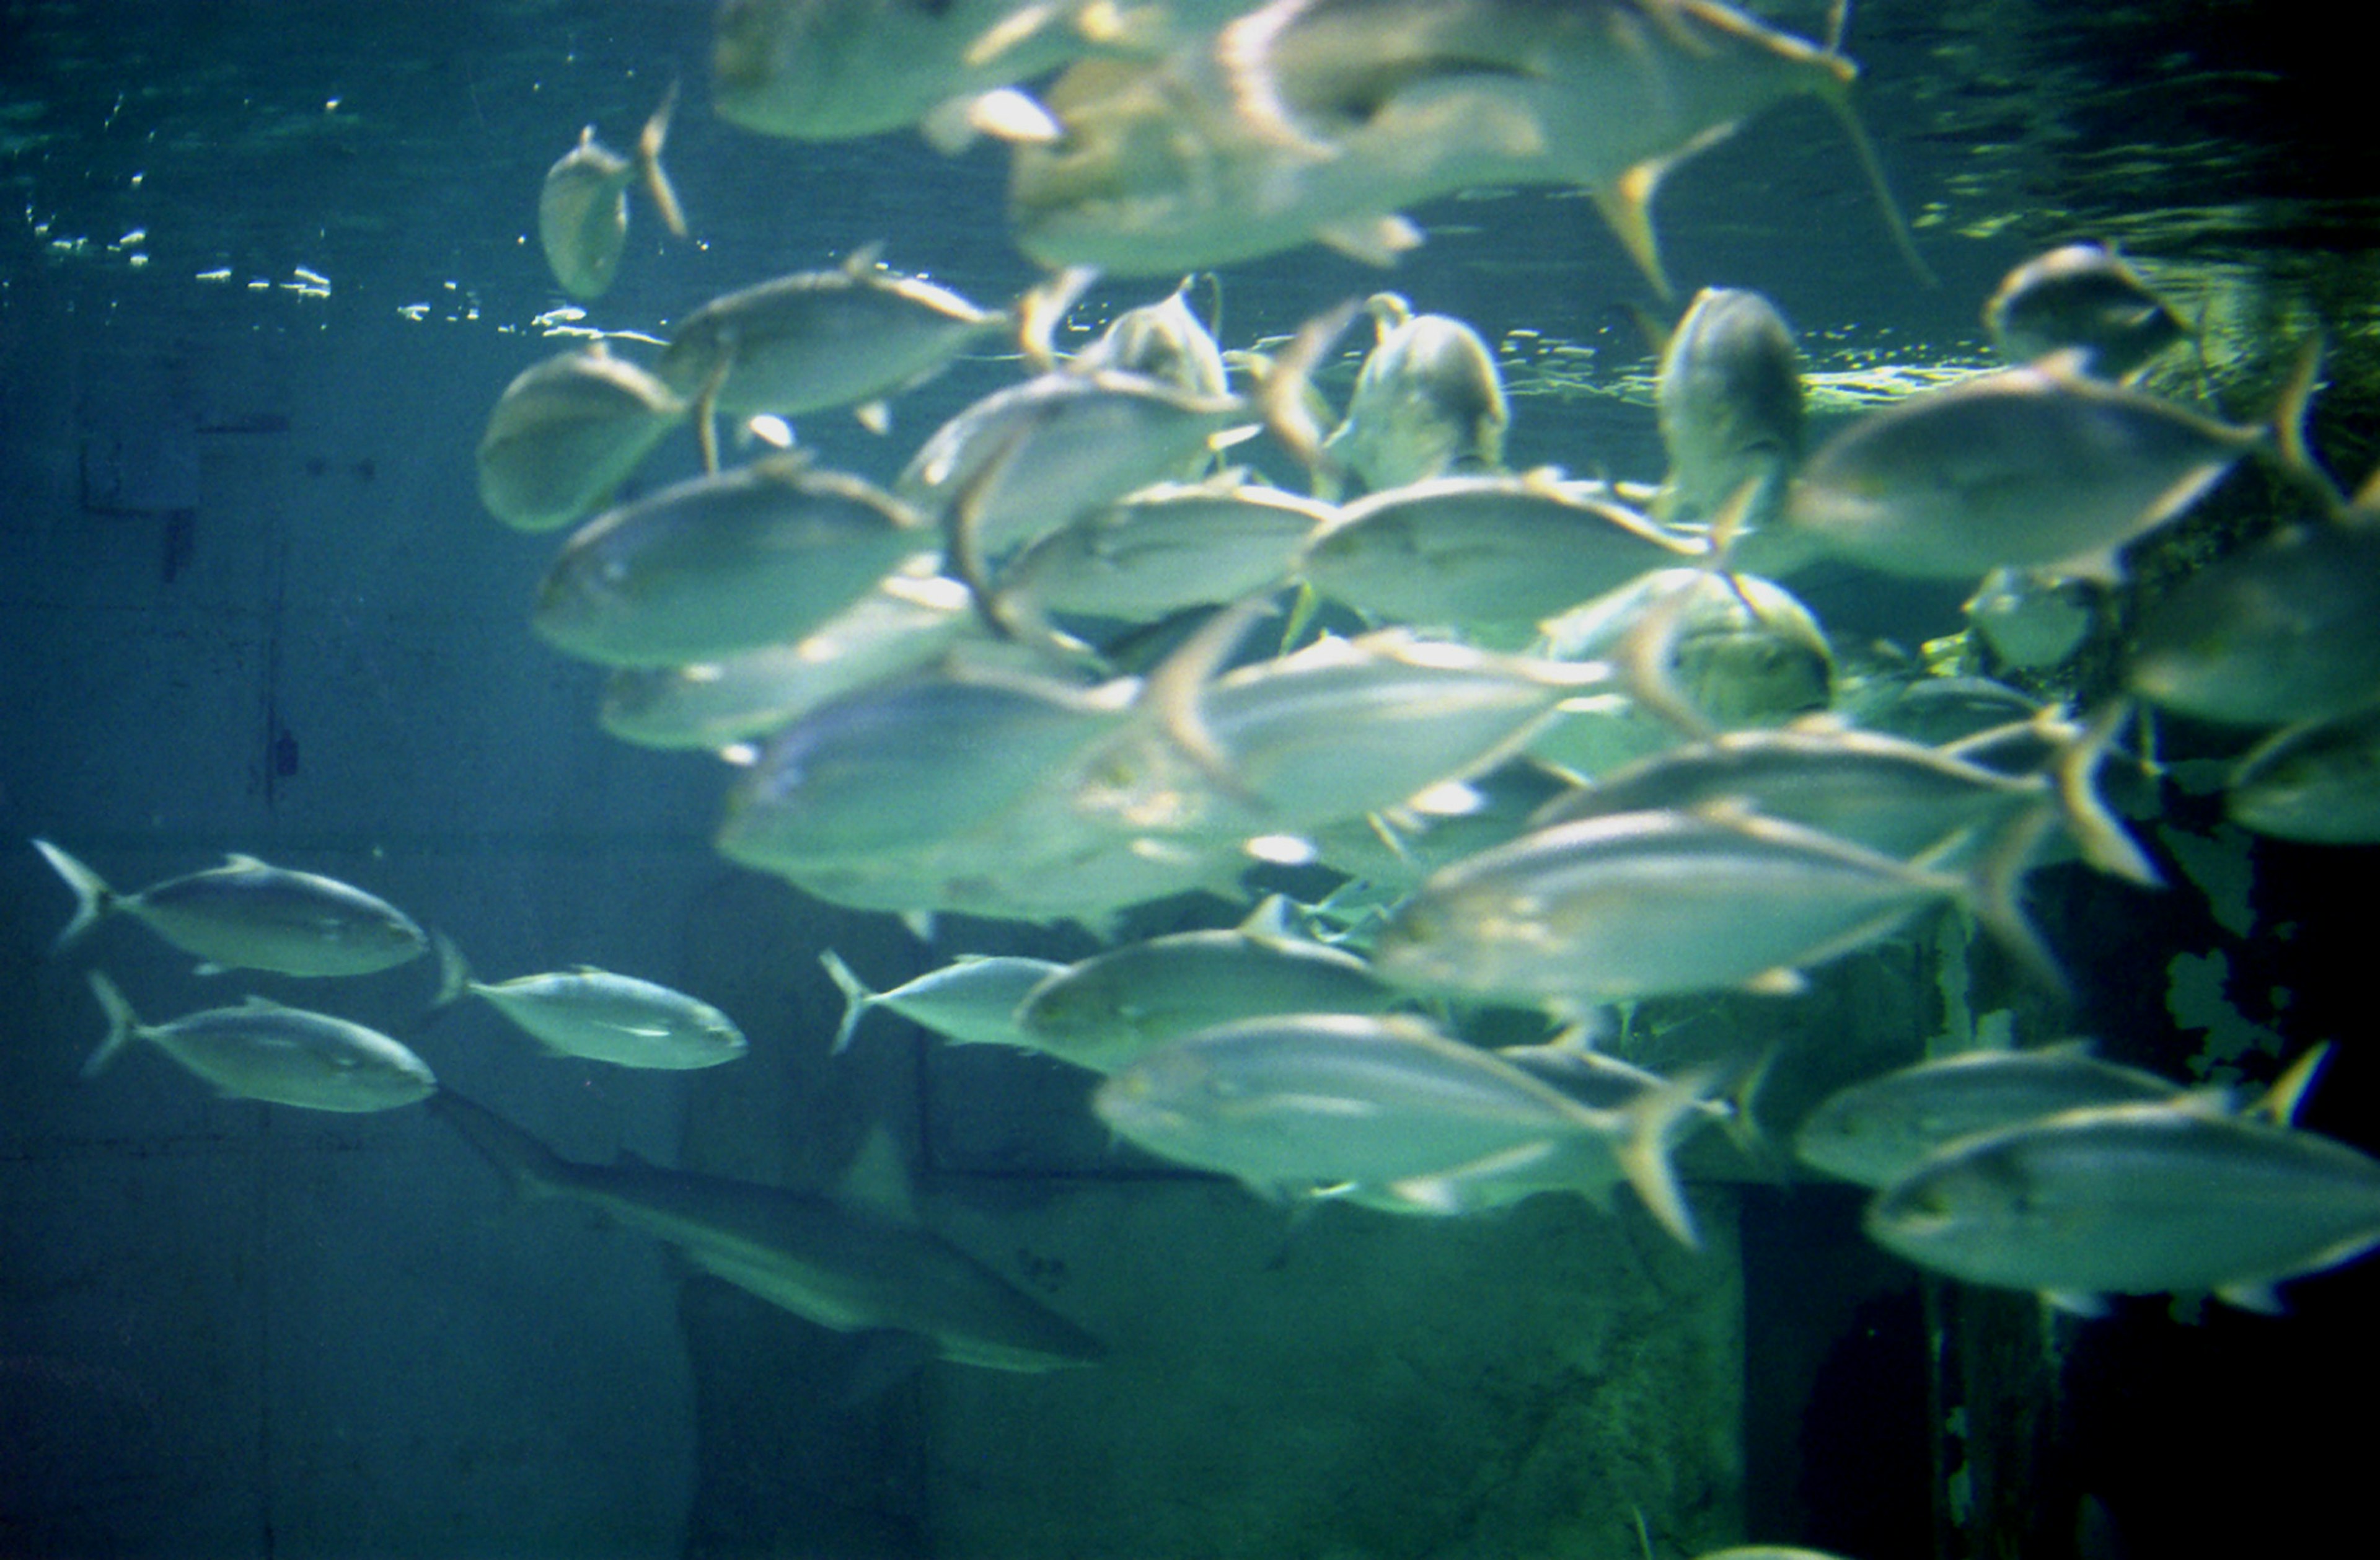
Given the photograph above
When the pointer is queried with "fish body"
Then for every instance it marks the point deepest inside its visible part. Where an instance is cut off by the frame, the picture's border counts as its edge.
(1113, 1008)
(1033, 457)
(1880, 1130)
(908, 621)
(842, 1264)
(1428, 400)
(2080, 296)
(1647, 904)
(1729, 403)
(1490, 554)
(582, 212)
(604, 1018)
(263, 1050)
(971, 1001)
(2318, 783)
(247, 915)
(566, 433)
(1164, 341)
(2285, 629)
(2022, 468)
(2133, 1199)
(1164, 548)
(1385, 1109)
(719, 564)
(843, 336)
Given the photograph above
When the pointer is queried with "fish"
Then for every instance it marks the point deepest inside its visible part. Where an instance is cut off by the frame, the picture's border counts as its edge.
(1727, 400)
(970, 1000)
(601, 1016)
(849, 335)
(582, 212)
(2313, 783)
(1111, 1009)
(2134, 1199)
(1490, 555)
(2083, 297)
(1396, 848)
(566, 433)
(1660, 903)
(247, 915)
(1385, 1109)
(850, 1262)
(2286, 630)
(719, 564)
(910, 620)
(1427, 401)
(2032, 467)
(263, 1050)
(2030, 618)
(1163, 341)
(1878, 1131)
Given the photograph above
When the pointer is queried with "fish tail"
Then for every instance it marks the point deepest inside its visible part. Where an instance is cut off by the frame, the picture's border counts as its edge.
(648, 163)
(94, 898)
(1991, 896)
(123, 1024)
(1651, 1124)
(856, 998)
(2103, 840)
(528, 1167)
(1837, 99)
(454, 971)
(2289, 425)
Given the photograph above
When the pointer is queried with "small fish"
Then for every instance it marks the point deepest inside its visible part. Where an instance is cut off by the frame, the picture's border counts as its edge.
(1490, 555)
(847, 337)
(1659, 903)
(856, 1260)
(970, 1000)
(720, 564)
(2080, 296)
(263, 1050)
(2032, 467)
(246, 915)
(566, 433)
(2135, 1200)
(582, 212)
(1387, 1110)
(601, 1016)
(2285, 629)
(910, 620)
(1114, 1008)
(2318, 783)
(1429, 401)
(1729, 403)
(1878, 1131)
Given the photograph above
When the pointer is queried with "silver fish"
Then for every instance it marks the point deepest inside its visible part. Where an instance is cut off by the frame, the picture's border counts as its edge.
(566, 433)
(602, 1017)
(1164, 548)
(970, 1000)
(1647, 904)
(1114, 1008)
(263, 1050)
(2313, 783)
(1880, 1131)
(849, 1263)
(1386, 1109)
(2133, 1199)
(246, 915)
(720, 564)
(1164, 341)
(2081, 295)
(2285, 629)
(847, 337)
(2028, 467)
(1729, 403)
(582, 212)
(1427, 401)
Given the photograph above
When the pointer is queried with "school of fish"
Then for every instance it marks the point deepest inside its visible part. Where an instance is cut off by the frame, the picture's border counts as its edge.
(1155, 618)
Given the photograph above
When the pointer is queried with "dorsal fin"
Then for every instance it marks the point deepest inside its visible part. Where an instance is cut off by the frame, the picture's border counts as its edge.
(876, 1180)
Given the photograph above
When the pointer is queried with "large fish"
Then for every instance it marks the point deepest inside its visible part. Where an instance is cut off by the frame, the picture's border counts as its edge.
(842, 1263)
(582, 212)
(2135, 1200)
(263, 1050)
(246, 915)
